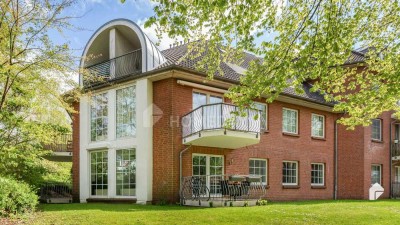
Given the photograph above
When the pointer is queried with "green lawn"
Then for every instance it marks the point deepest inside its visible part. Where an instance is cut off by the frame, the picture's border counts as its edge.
(310, 212)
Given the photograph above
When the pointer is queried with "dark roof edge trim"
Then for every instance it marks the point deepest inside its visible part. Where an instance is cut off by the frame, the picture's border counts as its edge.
(183, 69)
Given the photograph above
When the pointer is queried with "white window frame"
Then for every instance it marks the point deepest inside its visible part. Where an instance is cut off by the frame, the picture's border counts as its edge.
(380, 130)
(208, 162)
(297, 173)
(266, 168)
(107, 94)
(116, 113)
(90, 173)
(208, 94)
(323, 175)
(397, 173)
(208, 175)
(380, 173)
(116, 183)
(297, 121)
(266, 113)
(323, 125)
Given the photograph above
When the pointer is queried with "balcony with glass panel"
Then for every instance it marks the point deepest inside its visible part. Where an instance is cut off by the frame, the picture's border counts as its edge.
(221, 125)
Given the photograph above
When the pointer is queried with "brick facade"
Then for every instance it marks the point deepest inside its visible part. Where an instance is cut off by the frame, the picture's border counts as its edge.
(356, 151)
(75, 152)
(175, 100)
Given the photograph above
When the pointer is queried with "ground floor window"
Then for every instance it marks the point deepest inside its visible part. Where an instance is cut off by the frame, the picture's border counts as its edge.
(258, 167)
(397, 173)
(99, 173)
(317, 174)
(290, 173)
(376, 174)
(126, 172)
(209, 168)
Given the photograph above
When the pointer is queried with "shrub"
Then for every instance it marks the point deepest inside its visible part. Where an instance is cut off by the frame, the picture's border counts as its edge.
(16, 198)
(262, 202)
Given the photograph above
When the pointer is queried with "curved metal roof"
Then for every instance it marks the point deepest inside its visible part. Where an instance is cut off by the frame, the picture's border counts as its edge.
(151, 55)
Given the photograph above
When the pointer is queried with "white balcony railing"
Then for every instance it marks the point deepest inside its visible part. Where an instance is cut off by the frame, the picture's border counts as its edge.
(127, 64)
(220, 116)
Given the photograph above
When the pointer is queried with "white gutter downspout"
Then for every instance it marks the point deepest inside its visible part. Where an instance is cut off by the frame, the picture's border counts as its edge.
(335, 162)
(391, 159)
(180, 172)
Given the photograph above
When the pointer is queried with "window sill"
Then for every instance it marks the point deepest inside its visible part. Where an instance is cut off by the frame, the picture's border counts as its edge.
(318, 138)
(290, 186)
(318, 187)
(376, 141)
(290, 134)
(264, 131)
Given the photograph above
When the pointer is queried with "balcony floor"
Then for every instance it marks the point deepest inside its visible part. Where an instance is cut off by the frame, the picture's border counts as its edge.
(222, 139)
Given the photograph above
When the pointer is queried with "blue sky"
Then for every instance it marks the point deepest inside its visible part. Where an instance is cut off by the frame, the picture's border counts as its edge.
(94, 13)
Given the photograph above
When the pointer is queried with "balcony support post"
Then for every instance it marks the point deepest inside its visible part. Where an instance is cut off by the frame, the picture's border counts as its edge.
(202, 118)
(222, 119)
(112, 53)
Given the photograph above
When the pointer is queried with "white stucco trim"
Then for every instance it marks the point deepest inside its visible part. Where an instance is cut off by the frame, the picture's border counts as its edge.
(144, 98)
(144, 151)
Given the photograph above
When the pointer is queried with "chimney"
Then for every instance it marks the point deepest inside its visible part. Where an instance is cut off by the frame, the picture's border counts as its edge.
(181, 42)
(170, 45)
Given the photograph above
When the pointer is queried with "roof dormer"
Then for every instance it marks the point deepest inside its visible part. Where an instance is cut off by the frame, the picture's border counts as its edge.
(118, 49)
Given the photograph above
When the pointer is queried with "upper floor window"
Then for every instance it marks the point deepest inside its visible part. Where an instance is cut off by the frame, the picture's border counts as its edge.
(317, 125)
(376, 174)
(290, 121)
(99, 117)
(200, 98)
(290, 173)
(376, 129)
(263, 117)
(126, 112)
(258, 167)
(317, 174)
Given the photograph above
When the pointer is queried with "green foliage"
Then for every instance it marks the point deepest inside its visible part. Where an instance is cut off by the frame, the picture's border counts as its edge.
(16, 198)
(60, 172)
(162, 202)
(23, 164)
(33, 73)
(211, 204)
(261, 202)
(298, 41)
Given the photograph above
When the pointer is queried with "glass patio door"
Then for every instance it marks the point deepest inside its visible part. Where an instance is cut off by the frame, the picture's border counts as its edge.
(216, 172)
(210, 169)
(397, 174)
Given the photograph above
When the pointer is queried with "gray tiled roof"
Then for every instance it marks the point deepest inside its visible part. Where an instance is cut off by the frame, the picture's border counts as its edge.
(174, 54)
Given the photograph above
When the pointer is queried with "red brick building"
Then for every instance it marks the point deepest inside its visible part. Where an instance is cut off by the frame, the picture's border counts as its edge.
(157, 130)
